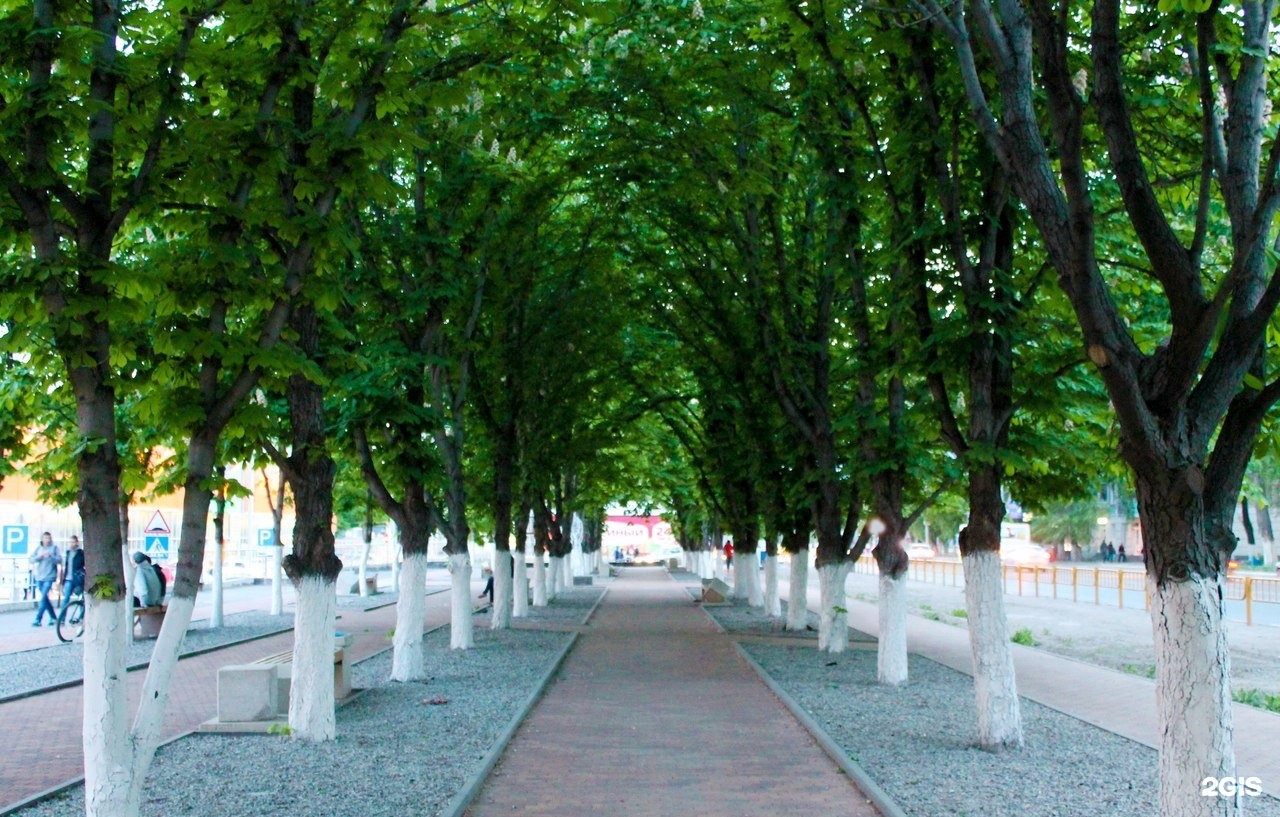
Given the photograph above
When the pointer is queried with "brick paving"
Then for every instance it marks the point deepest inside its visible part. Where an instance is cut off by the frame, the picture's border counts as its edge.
(654, 714)
(42, 734)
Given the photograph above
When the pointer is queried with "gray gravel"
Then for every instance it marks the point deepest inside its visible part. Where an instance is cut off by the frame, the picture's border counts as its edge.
(916, 741)
(396, 754)
(32, 670)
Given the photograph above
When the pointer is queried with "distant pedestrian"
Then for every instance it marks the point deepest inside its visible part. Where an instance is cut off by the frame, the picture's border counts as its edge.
(728, 553)
(72, 571)
(1120, 554)
(488, 585)
(44, 572)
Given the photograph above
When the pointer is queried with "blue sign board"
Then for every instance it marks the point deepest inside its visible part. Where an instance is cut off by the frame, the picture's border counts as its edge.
(16, 539)
(157, 546)
(266, 538)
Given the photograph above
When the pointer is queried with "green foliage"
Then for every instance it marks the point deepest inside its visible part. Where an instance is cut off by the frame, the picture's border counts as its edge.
(1258, 698)
(1025, 637)
(103, 587)
(960, 612)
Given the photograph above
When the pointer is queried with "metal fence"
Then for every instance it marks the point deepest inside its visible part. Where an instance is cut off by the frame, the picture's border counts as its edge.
(1108, 586)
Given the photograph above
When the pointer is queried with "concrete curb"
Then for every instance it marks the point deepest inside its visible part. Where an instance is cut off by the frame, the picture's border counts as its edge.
(587, 619)
(471, 787)
(879, 797)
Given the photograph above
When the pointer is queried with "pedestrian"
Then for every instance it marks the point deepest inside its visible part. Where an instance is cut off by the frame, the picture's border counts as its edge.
(147, 591)
(728, 553)
(72, 571)
(44, 571)
(488, 585)
(1121, 554)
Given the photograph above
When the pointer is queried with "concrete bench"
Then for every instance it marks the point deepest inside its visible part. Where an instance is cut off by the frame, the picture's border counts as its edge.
(147, 621)
(259, 691)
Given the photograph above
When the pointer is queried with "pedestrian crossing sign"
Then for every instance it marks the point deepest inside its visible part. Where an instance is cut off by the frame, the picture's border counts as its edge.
(157, 546)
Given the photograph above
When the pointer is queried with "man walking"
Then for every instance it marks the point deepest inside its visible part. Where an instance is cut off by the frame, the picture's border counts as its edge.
(44, 570)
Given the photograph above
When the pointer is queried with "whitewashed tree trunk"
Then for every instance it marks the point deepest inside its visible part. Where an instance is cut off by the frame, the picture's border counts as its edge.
(519, 587)
(215, 614)
(1193, 696)
(277, 580)
(539, 581)
(741, 583)
(772, 603)
(502, 595)
(553, 577)
(411, 613)
(155, 690)
(461, 627)
(311, 707)
(708, 568)
(891, 652)
(994, 682)
(364, 568)
(602, 564)
(751, 572)
(833, 619)
(108, 761)
(798, 592)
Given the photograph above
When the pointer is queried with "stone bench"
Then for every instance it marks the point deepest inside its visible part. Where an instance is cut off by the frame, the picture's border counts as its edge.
(259, 691)
(147, 621)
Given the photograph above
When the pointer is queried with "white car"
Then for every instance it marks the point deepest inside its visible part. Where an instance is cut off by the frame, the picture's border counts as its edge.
(1022, 552)
(919, 550)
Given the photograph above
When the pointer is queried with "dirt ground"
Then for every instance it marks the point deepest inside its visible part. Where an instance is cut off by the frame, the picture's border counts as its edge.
(1119, 639)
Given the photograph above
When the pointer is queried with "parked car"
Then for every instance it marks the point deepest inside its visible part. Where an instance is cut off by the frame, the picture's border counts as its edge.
(1022, 552)
(919, 550)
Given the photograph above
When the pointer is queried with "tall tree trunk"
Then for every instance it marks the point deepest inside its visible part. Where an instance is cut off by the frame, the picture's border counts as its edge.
(891, 649)
(219, 545)
(313, 566)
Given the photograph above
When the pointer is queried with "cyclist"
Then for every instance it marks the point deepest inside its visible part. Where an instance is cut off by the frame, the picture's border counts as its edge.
(71, 572)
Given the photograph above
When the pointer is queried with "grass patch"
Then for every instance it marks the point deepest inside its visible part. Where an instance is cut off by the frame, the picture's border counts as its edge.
(1024, 637)
(926, 607)
(960, 612)
(932, 616)
(1145, 670)
(1257, 698)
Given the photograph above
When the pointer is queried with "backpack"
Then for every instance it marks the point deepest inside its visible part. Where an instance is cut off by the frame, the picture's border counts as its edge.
(164, 587)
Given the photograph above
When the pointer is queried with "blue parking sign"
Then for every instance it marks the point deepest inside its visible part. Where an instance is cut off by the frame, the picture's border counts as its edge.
(16, 539)
(266, 538)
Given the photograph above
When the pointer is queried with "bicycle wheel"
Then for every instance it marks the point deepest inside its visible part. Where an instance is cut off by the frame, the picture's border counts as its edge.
(71, 622)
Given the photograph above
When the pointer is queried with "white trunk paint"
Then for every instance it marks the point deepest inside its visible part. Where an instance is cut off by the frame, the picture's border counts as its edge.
(215, 615)
(740, 580)
(461, 627)
(519, 587)
(108, 759)
(502, 596)
(277, 580)
(364, 568)
(563, 582)
(155, 690)
(311, 708)
(539, 581)
(891, 652)
(411, 614)
(1193, 696)
(708, 566)
(995, 686)
(798, 592)
(553, 577)
(751, 572)
(772, 603)
(833, 619)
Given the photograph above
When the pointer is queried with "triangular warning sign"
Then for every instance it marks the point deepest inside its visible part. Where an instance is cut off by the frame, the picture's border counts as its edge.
(157, 524)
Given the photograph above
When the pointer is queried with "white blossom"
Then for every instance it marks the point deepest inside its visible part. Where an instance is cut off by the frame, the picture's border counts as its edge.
(1081, 82)
(697, 10)
(478, 142)
(586, 67)
(721, 186)
(511, 156)
(763, 24)
(494, 149)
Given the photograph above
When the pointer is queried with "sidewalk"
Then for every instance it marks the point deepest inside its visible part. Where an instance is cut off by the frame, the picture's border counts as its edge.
(42, 734)
(655, 714)
(1116, 701)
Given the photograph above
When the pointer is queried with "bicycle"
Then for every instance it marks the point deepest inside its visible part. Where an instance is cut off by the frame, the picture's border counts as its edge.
(71, 619)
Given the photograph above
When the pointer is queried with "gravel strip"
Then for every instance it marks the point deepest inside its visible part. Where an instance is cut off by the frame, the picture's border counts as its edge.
(22, 673)
(916, 741)
(396, 753)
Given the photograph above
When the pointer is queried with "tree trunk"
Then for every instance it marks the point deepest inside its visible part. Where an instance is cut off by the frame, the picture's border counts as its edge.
(995, 686)
(363, 571)
(833, 619)
(461, 631)
(772, 603)
(411, 612)
(798, 592)
(219, 546)
(502, 590)
(891, 648)
(1193, 670)
(108, 765)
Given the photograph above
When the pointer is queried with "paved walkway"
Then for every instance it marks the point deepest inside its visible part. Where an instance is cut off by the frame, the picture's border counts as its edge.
(654, 714)
(1116, 701)
(42, 734)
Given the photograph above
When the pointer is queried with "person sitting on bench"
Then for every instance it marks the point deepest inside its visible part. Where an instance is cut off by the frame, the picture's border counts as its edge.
(148, 590)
